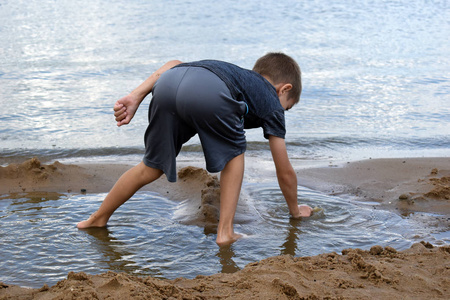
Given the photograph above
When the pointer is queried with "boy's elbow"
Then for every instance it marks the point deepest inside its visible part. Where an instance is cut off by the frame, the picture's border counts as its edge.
(175, 62)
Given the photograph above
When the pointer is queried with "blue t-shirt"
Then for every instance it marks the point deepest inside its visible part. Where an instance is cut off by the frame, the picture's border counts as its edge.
(264, 108)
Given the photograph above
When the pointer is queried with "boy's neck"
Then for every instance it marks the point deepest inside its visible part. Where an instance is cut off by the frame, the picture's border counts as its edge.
(269, 80)
(276, 86)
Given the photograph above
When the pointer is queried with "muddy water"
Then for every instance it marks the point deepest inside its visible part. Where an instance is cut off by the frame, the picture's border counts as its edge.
(40, 243)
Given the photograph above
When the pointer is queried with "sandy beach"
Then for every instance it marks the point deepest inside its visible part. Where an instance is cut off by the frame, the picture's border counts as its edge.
(405, 186)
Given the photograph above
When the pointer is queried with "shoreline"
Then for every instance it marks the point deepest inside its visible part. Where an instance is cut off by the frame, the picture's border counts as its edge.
(406, 186)
(402, 185)
(417, 188)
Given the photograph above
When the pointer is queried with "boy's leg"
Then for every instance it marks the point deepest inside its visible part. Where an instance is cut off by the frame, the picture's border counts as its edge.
(230, 188)
(128, 184)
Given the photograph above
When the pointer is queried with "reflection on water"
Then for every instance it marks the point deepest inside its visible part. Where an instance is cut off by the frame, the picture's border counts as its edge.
(226, 254)
(40, 243)
(289, 247)
(105, 243)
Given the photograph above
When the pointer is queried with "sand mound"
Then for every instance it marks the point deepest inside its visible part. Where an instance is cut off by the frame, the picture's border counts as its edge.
(421, 272)
(202, 206)
(441, 189)
(434, 194)
(202, 200)
(30, 171)
(33, 176)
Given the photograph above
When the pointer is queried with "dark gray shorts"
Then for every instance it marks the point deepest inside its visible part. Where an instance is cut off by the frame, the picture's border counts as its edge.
(190, 100)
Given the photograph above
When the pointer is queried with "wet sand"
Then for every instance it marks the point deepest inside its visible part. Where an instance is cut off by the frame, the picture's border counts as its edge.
(406, 186)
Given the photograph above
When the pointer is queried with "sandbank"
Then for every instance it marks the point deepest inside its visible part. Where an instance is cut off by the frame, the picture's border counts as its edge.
(406, 186)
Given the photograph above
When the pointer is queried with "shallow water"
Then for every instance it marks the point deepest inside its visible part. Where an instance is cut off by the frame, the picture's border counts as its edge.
(40, 243)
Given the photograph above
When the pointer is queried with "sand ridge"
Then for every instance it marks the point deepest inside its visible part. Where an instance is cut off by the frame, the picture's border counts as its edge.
(421, 272)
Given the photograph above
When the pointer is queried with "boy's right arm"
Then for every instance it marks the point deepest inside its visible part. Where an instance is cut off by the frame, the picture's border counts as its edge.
(287, 178)
(126, 107)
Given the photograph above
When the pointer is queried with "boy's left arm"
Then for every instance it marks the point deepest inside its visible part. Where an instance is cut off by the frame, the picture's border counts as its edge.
(126, 107)
(287, 178)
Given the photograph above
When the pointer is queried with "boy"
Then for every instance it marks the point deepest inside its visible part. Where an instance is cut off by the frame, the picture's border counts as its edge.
(217, 101)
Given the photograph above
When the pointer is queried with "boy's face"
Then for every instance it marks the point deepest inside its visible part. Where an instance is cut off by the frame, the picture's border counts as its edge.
(283, 95)
(286, 102)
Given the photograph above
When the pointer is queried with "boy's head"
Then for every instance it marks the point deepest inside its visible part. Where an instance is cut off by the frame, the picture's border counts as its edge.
(281, 69)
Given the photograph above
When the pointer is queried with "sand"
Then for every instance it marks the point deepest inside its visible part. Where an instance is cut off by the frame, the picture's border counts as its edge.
(421, 272)
(406, 186)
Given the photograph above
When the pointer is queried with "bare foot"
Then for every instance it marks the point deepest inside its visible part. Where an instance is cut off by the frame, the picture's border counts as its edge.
(224, 241)
(93, 221)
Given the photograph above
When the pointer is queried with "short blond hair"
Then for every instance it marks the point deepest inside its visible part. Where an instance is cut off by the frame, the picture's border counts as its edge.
(281, 68)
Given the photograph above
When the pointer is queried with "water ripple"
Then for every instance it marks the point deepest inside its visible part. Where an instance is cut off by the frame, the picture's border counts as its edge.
(40, 243)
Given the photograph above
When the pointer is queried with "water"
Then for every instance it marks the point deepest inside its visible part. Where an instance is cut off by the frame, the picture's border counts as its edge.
(375, 74)
(40, 242)
(376, 84)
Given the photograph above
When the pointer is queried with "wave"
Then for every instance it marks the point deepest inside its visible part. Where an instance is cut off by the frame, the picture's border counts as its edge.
(358, 141)
(305, 146)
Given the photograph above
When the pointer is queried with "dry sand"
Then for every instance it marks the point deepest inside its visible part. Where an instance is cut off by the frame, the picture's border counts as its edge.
(403, 185)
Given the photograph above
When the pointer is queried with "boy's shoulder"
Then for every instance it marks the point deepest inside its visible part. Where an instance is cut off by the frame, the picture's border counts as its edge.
(230, 73)
(244, 84)
(215, 64)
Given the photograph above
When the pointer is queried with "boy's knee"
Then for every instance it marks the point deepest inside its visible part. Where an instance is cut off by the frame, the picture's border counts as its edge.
(149, 173)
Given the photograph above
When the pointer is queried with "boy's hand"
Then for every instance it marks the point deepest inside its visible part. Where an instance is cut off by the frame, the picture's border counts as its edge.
(125, 108)
(304, 211)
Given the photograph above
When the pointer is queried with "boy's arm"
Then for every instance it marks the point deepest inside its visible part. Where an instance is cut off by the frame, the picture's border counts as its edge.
(126, 107)
(287, 179)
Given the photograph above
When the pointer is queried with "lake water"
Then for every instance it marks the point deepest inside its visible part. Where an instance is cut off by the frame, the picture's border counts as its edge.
(375, 74)
(376, 77)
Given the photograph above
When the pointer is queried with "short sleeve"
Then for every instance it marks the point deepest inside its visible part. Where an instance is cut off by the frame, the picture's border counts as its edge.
(274, 124)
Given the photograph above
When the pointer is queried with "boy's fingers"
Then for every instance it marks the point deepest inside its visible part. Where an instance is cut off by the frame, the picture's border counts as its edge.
(123, 122)
(120, 111)
(121, 116)
(118, 106)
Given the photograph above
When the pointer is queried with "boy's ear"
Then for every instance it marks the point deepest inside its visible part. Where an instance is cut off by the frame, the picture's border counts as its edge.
(283, 88)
